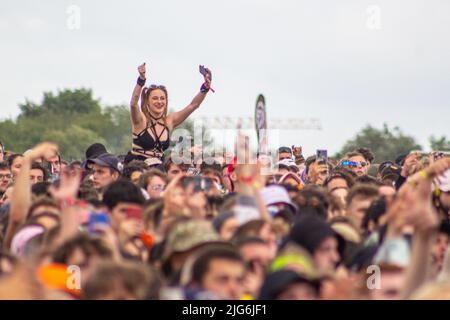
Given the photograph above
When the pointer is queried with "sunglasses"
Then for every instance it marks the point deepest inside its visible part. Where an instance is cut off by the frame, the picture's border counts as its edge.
(157, 187)
(155, 86)
(353, 164)
(348, 163)
(364, 164)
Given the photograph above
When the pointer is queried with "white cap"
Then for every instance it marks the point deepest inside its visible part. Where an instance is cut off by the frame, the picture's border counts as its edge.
(275, 194)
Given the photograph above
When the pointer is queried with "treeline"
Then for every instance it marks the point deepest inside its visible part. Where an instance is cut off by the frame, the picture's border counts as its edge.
(74, 119)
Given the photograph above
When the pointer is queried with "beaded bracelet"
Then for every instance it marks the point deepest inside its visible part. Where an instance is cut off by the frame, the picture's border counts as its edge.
(67, 203)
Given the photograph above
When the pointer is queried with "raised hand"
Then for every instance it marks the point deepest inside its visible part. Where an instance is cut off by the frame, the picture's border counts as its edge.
(173, 197)
(410, 161)
(68, 187)
(142, 70)
(207, 75)
(413, 204)
(196, 202)
(45, 150)
(130, 228)
(297, 151)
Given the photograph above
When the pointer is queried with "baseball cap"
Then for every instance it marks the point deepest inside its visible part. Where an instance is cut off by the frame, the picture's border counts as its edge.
(274, 194)
(108, 160)
(22, 237)
(189, 234)
(287, 163)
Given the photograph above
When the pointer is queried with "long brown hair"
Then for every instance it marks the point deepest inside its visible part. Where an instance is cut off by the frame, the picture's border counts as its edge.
(144, 101)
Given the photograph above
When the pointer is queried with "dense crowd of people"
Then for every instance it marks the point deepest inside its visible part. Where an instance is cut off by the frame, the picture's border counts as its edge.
(143, 226)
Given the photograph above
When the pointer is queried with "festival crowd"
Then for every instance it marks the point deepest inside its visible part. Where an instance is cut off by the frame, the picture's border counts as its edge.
(286, 226)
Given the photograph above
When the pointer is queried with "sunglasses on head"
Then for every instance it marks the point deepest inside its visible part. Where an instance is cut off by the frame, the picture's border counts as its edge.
(156, 86)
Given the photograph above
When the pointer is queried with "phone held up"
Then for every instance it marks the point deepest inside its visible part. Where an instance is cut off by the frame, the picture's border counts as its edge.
(322, 156)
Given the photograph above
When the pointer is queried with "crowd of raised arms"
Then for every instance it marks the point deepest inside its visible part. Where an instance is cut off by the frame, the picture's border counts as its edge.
(287, 226)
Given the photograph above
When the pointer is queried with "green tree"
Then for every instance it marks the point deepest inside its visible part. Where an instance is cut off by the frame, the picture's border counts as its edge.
(386, 144)
(439, 144)
(66, 101)
(72, 140)
(71, 118)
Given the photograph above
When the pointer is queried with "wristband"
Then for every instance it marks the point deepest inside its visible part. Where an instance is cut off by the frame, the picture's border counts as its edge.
(249, 180)
(424, 174)
(67, 203)
(140, 81)
(204, 88)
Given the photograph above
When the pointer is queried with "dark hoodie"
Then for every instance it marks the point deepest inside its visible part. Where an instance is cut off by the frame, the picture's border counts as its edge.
(277, 282)
(309, 231)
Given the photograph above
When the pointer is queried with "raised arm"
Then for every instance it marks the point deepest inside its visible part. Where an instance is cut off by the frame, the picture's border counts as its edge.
(21, 196)
(425, 221)
(178, 117)
(66, 195)
(137, 118)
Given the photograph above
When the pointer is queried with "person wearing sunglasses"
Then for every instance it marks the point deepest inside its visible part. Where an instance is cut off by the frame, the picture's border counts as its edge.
(151, 125)
(357, 163)
(153, 182)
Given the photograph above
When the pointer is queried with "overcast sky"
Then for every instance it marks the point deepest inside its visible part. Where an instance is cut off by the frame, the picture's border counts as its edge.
(347, 63)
